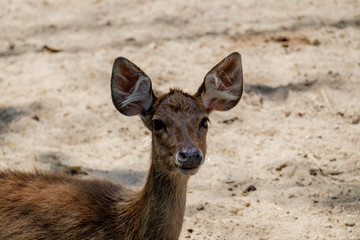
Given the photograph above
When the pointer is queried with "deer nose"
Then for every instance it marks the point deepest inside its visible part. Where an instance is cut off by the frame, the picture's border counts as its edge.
(189, 157)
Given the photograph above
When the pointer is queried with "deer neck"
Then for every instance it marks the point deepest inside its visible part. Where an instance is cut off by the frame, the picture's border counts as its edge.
(163, 199)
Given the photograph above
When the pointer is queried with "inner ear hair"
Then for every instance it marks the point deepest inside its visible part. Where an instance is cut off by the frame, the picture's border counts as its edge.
(223, 85)
(131, 88)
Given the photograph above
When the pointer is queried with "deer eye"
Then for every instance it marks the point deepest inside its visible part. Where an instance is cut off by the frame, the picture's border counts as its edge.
(204, 123)
(158, 125)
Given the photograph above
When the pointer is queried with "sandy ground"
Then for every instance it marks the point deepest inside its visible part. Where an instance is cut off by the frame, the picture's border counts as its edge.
(283, 164)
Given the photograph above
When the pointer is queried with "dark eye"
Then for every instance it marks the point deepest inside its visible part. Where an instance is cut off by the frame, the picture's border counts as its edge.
(204, 123)
(158, 125)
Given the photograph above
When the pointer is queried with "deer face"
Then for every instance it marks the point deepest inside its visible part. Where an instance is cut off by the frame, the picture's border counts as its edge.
(179, 127)
(178, 121)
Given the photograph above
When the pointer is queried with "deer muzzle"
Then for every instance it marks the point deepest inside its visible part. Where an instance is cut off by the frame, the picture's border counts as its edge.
(188, 160)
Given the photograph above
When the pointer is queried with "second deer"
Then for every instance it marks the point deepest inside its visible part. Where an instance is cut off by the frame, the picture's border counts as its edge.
(49, 206)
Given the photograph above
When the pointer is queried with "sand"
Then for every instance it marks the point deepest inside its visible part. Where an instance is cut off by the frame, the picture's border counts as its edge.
(283, 164)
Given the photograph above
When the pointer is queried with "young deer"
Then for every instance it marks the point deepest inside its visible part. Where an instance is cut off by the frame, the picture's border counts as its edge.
(48, 206)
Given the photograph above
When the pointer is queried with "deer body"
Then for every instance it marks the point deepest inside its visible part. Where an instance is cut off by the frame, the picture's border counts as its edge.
(48, 206)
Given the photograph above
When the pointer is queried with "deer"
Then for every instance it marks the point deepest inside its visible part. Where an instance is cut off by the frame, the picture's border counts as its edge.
(45, 205)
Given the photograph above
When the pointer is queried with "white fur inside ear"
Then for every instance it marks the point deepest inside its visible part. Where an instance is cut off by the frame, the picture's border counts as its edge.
(139, 94)
(216, 90)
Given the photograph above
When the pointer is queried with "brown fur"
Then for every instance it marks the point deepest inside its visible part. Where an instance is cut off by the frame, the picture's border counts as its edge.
(49, 206)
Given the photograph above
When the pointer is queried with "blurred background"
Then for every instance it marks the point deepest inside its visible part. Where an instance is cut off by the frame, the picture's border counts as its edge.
(283, 164)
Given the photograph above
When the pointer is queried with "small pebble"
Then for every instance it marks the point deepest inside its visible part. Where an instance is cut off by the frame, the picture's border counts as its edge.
(36, 118)
(229, 181)
(313, 172)
(200, 207)
(351, 224)
(250, 188)
(316, 42)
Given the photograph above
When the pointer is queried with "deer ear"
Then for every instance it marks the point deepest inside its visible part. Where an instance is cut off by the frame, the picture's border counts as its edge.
(131, 89)
(223, 84)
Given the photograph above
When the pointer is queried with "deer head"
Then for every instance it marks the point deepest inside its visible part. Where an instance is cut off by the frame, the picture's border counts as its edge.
(178, 120)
